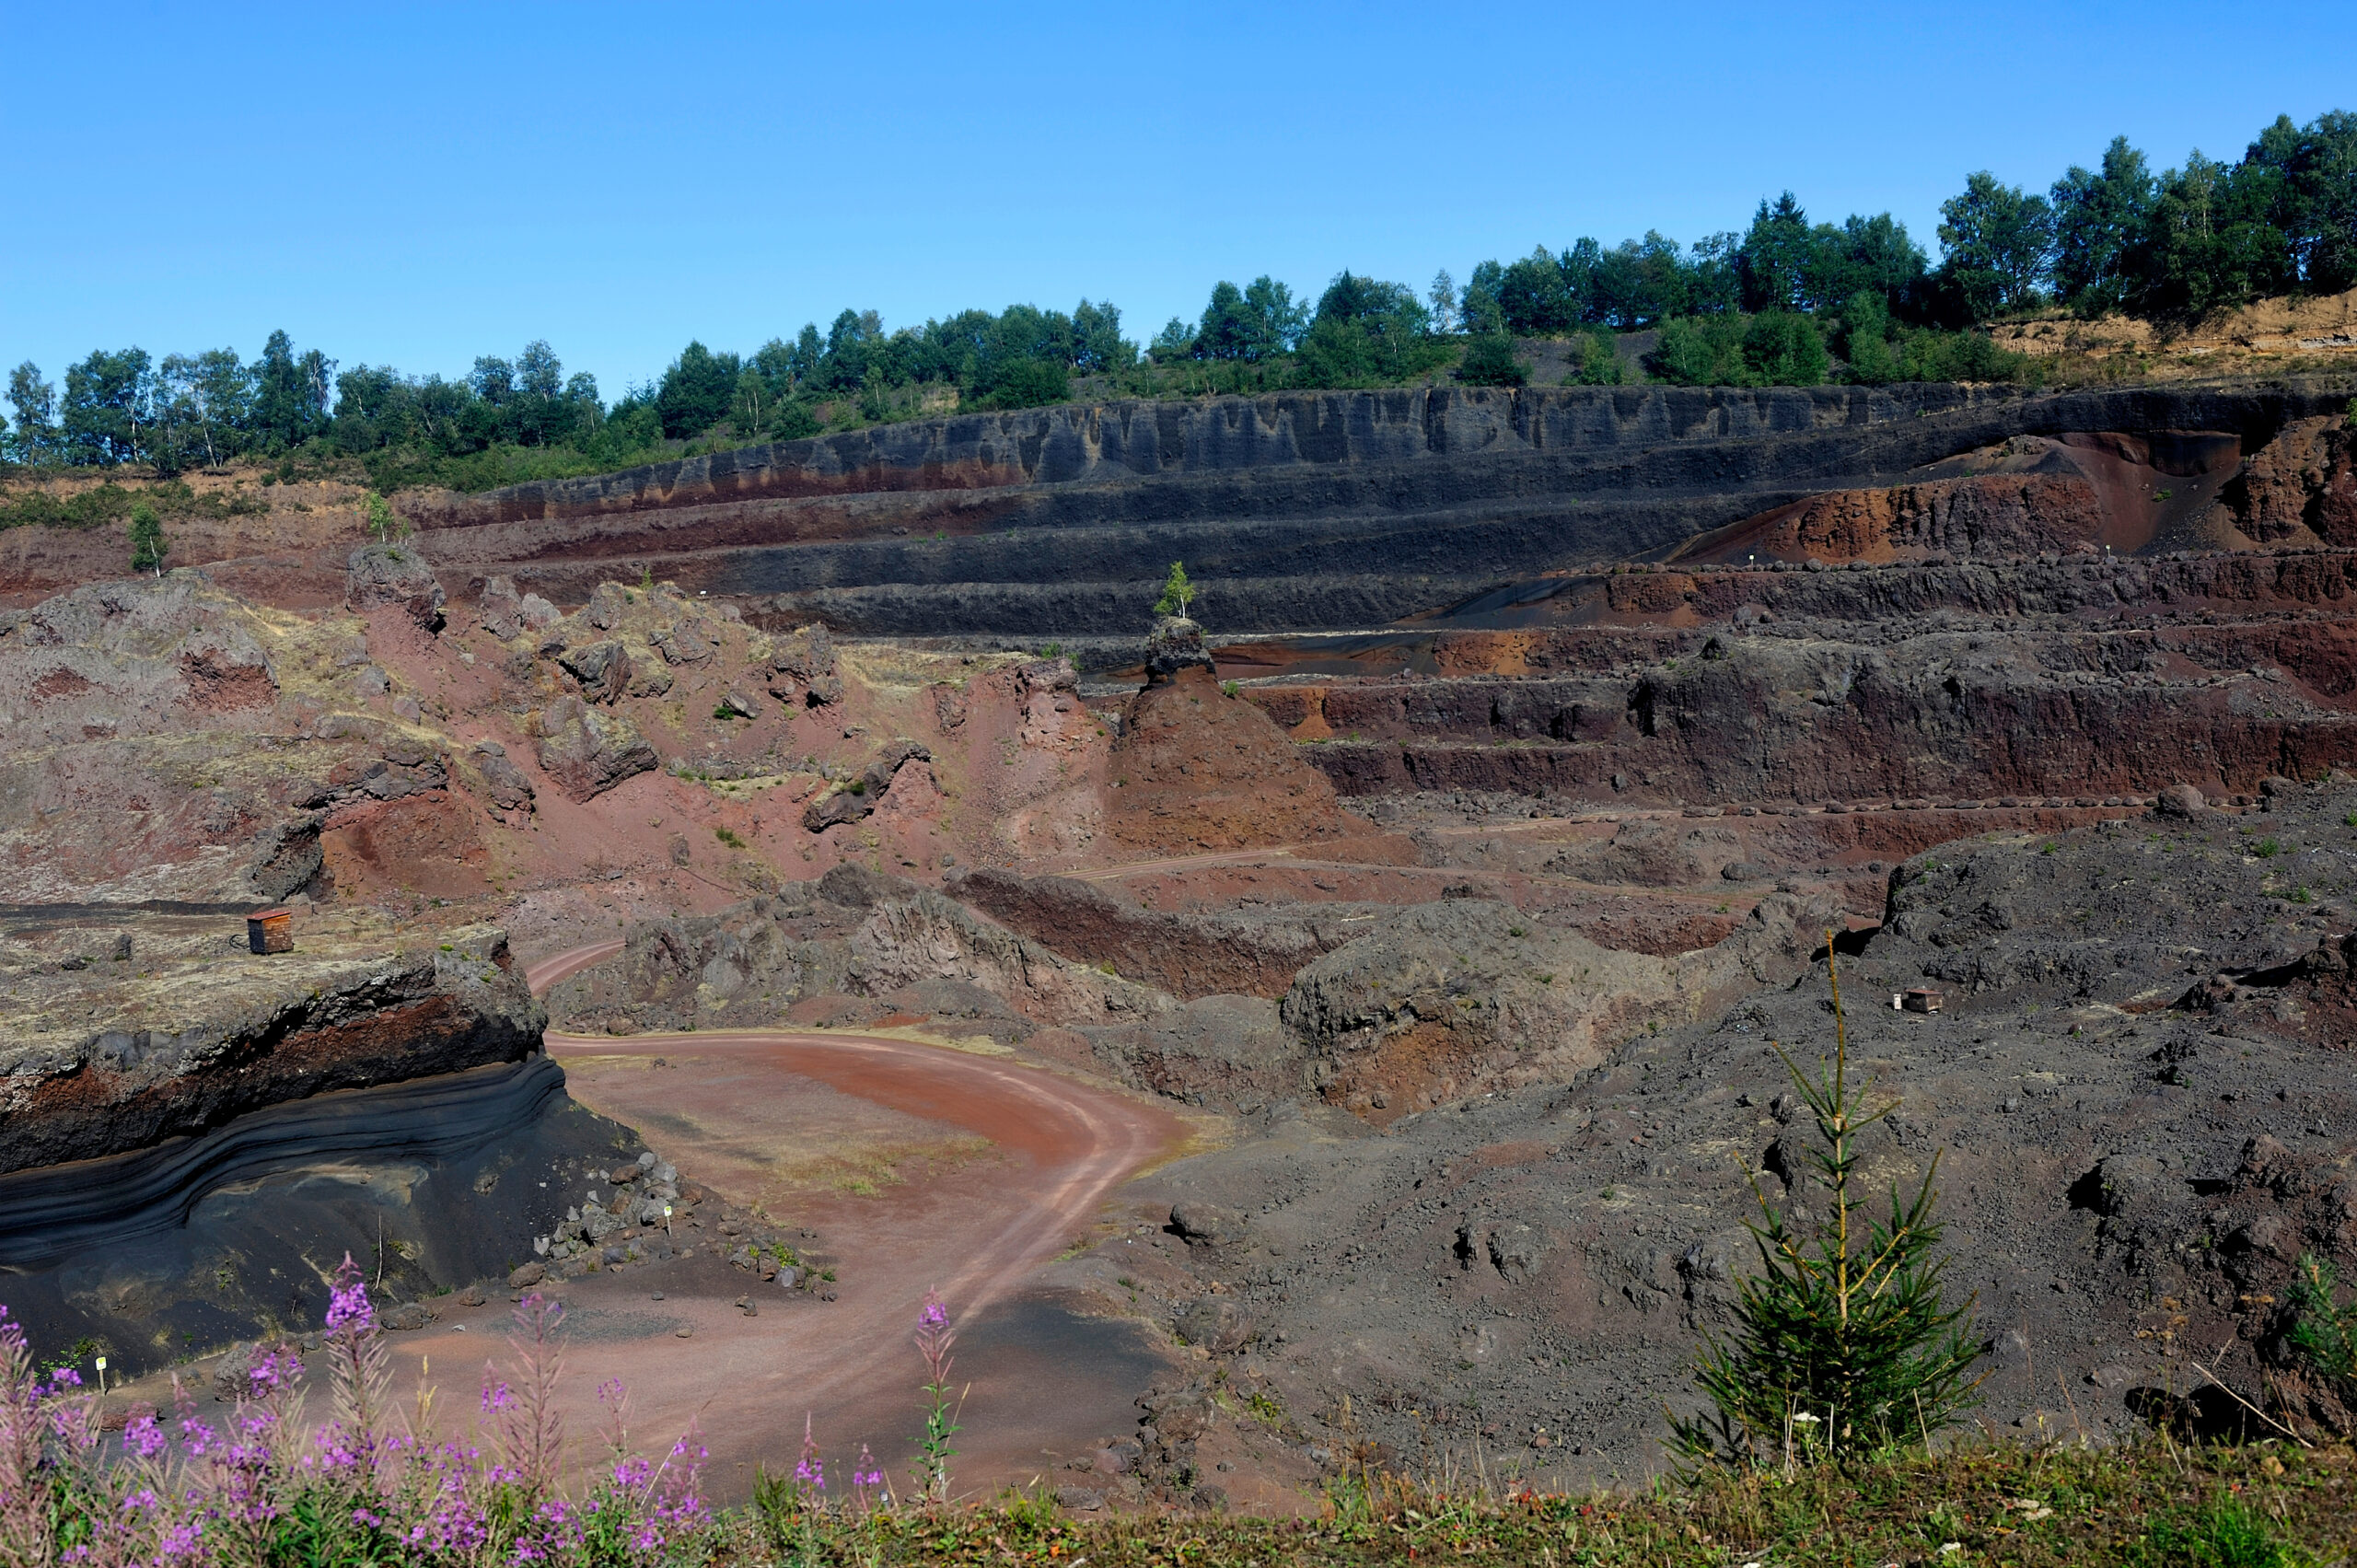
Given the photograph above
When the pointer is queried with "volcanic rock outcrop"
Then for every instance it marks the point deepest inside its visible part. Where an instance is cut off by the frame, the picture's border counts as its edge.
(396, 575)
(1197, 769)
(183, 1122)
(2303, 483)
(95, 1065)
(848, 936)
(587, 753)
(1251, 952)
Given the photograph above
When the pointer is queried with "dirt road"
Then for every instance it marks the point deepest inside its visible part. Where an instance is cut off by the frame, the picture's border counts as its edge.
(1042, 1156)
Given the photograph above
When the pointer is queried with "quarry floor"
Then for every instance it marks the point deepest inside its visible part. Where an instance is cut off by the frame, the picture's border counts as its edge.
(921, 1167)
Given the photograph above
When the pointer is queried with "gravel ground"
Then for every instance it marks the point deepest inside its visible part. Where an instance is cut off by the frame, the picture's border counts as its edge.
(2137, 1086)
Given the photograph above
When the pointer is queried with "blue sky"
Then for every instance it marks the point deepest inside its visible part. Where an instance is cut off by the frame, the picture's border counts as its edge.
(419, 185)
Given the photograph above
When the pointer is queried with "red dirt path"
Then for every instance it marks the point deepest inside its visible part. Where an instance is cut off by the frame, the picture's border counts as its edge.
(1046, 1380)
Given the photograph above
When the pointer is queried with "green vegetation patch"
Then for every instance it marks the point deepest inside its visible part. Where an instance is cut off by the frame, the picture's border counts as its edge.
(2145, 1505)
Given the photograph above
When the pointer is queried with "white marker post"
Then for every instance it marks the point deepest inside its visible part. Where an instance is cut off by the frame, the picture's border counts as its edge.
(102, 1374)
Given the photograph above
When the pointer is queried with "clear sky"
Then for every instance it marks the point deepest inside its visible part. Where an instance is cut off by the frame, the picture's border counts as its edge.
(417, 185)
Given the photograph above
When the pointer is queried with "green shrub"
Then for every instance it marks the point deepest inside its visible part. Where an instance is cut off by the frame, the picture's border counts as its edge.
(1012, 383)
(1596, 361)
(1490, 362)
(1700, 351)
(93, 508)
(2324, 1333)
(148, 546)
(1783, 348)
(388, 525)
(1178, 592)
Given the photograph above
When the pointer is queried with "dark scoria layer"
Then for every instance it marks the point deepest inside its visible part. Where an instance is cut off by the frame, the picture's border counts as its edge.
(1305, 510)
(191, 1133)
(197, 1242)
(163, 1033)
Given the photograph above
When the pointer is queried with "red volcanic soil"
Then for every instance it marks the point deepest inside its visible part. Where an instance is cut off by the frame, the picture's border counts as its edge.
(1046, 1375)
(1198, 769)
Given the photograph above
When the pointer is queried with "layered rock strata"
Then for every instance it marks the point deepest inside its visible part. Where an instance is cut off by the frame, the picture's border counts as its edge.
(190, 1133)
(187, 1030)
(1732, 686)
(1305, 510)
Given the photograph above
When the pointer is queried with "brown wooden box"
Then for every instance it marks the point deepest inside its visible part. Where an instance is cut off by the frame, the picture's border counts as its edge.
(270, 931)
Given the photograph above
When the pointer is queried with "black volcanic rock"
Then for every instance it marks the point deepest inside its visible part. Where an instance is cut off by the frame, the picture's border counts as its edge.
(1174, 644)
(100, 1061)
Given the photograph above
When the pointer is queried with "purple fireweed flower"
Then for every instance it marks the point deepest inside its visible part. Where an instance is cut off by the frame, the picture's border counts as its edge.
(935, 1336)
(865, 1473)
(182, 1543)
(348, 1299)
(275, 1369)
(142, 1438)
(811, 1473)
(495, 1397)
(196, 1436)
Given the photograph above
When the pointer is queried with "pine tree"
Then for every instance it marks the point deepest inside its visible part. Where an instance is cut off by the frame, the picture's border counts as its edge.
(148, 545)
(1846, 1344)
(1177, 592)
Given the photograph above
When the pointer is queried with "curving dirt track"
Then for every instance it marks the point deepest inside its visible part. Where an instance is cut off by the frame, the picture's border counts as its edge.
(1045, 1380)
(560, 967)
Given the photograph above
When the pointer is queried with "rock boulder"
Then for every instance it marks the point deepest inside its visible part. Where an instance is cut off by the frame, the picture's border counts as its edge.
(602, 667)
(803, 667)
(393, 574)
(587, 753)
(858, 798)
(1175, 644)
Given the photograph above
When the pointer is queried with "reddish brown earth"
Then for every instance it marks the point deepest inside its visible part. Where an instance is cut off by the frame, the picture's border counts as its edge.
(1197, 769)
(1049, 1371)
(1044, 1376)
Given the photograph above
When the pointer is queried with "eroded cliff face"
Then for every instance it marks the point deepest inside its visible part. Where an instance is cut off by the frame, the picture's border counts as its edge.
(1731, 685)
(169, 1029)
(191, 1133)
(1351, 509)
(1129, 440)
